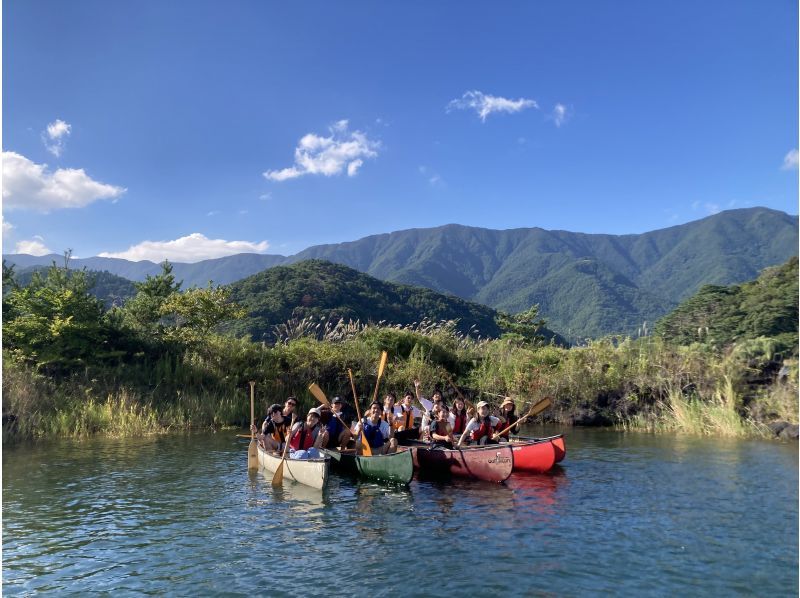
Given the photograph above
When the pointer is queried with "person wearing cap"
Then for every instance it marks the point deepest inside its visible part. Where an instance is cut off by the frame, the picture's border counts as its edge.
(482, 427)
(338, 433)
(376, 431)
(273, 431)
(307, 437)
(508, 415)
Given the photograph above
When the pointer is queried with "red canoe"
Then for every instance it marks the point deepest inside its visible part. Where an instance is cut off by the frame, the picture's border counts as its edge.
(492, 463)
(557, 441)
(533, 456)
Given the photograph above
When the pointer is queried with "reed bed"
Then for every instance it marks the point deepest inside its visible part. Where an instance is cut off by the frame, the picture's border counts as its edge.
(642, 383)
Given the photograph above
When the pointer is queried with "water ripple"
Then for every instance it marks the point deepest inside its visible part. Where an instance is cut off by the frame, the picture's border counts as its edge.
(627, 514)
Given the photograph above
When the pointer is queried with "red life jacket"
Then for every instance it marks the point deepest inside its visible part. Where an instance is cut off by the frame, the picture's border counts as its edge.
(460, 423)
(303, 439)
(486, 429)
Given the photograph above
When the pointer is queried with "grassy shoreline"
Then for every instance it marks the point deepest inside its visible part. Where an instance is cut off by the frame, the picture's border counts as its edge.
(632, 384)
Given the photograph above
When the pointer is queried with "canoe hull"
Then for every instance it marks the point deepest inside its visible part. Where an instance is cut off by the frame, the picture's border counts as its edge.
(310, 472)
(534, 456)
(559, 444)
(395, 467)
(493, 463)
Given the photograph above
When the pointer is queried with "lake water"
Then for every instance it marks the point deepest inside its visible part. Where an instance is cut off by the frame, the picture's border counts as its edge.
(625, 514)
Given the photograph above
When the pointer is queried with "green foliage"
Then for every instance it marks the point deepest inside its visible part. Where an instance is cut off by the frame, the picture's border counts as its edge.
(522, 328)
(765, 307)
(197, 312)
(55, 322)
(326, 291)
(143, 312)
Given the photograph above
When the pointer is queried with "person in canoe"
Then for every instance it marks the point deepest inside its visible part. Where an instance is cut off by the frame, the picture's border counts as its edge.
(273, 431)
(406, 430)
(308, 437)
(427, 416)
(338, 433)
(482, 427)
(508, 417)
(441, 430)
(459, 416)
(389, 414)
(289, 408)
(376, 431)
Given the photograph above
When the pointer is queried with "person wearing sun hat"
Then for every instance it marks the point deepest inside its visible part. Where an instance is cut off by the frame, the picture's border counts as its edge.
(307, 437)
(482, 427)
(508, 415)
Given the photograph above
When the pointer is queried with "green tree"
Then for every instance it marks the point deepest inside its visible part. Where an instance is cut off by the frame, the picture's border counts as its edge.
(522, 328)
(55, 322)
(143, 312)
(197, 312)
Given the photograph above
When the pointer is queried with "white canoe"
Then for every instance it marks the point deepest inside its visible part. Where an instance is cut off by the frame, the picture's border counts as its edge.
(311, 472)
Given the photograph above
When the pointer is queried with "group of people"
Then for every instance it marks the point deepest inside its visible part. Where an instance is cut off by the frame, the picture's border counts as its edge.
(386, 425)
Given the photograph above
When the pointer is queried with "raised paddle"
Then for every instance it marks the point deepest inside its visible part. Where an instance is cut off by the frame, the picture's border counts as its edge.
(252, 449)
(535, 410)
(365, 448)
(320, 396)
(277, 479)
(381, 367)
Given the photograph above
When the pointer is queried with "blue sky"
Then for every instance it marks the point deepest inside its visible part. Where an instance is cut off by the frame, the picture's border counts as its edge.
(191, 130)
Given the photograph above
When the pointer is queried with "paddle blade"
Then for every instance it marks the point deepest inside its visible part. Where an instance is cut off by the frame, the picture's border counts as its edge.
(539, 407)
(366, 450)
(277, 479)
(318, 394)
(252, 455)
(382, 365)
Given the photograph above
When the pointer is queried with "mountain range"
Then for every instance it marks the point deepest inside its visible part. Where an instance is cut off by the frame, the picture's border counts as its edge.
(586, 285)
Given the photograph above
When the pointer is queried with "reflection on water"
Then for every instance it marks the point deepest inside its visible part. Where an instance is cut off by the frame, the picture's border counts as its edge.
(625, 513)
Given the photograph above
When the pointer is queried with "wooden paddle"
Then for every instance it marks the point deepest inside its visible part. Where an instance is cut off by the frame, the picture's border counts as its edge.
(366, 450)
(320, 396)
(535, 410)
(381, 367)
(252, 449)
(277, 479)
(460, 396)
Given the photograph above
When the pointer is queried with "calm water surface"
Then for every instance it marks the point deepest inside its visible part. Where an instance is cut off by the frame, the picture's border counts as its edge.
(629, 514)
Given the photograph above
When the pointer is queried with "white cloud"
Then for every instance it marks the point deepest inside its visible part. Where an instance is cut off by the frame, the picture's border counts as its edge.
(484, 104)
(790, 160)
(434, 179)
(265, 196)
(192, 248)
(559, 114)
(33, 246)
(55, 136)
(328, 155)
(30, 186)
(7, 227)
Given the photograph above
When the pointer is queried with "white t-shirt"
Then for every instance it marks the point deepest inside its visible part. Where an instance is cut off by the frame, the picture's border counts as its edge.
(474, 425)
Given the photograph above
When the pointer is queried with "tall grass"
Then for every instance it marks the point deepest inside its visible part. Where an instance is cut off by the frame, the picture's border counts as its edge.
(640, 383)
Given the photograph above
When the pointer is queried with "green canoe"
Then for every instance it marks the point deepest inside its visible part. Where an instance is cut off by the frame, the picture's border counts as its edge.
(396, 467)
